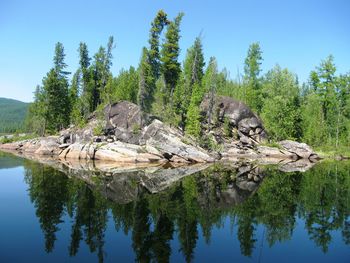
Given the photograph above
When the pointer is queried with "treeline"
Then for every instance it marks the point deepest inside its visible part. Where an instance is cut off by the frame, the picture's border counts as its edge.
(317, 112)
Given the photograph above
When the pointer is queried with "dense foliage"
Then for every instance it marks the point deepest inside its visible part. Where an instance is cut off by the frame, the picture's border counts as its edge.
(317, 112)
(12, 115)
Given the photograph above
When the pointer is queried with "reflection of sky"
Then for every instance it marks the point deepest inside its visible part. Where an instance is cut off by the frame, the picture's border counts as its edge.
(21, 238)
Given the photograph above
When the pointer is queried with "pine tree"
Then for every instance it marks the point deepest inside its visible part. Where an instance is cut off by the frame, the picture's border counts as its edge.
(159, 22)
(146, 82)
(86, 94)
(193, 124)
(56, 114)
(251, 77)
(169, 57)
(210, 84)
(55, 86)
(191, 75)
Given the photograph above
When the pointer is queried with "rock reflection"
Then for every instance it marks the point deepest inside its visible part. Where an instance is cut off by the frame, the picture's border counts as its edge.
(157, 204)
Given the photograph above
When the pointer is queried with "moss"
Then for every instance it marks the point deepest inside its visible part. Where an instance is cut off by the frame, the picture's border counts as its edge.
(136, 129)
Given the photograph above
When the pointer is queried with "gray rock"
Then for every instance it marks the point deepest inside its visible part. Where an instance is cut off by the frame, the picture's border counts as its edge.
(169, 141)
(302, 150)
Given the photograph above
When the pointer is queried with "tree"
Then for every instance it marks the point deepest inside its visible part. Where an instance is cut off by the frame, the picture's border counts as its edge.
(86, 93)
(55, 88)
(323, 82)
(281, 105)
(35, 119)
(251, 77)
(169, 57)
(193, 123)
(159, 22)
(57, 101)
(192, 74)
(313, 122)
(58, 59)
(146, 82)
(210, 83)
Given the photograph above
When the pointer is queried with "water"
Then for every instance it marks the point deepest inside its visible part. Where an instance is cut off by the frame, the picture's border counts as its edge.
(219, 214)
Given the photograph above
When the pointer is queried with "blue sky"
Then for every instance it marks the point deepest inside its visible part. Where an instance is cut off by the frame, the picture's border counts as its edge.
(295, 34)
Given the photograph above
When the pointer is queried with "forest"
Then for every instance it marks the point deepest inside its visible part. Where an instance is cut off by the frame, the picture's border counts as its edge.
(12, 115)
(316, 112)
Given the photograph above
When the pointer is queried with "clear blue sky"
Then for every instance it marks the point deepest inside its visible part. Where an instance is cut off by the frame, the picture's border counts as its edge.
(295, 34)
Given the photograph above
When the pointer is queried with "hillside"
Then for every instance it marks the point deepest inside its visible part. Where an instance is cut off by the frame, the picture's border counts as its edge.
(12, 114)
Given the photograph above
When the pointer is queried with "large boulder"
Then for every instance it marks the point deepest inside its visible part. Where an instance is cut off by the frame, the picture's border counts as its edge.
(170, 142)
(227, 107)
(302, 150)
(250, 128)
(124, 120)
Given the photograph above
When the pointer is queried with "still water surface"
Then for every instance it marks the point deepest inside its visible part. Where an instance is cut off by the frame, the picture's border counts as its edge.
(215, 215)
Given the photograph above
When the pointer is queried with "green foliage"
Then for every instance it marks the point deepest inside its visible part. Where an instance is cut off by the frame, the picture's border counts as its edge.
(251, 77)
(192, 74)
(281, 105)
(193, 124)
(16, 138)
(136, 129)
(123, 87)
(227, 127)
(146, 82)
(313, 123)
(326, 106)
(170, 67)
(159, 22)
(98, 129)
(12, 115)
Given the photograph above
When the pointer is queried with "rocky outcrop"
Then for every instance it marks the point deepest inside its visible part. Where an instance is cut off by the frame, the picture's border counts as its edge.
(242, 120)
(124, 120)
(126, 135)
(169, 143)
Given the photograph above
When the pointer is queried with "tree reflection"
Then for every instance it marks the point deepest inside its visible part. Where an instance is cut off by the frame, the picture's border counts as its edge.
(249, 196)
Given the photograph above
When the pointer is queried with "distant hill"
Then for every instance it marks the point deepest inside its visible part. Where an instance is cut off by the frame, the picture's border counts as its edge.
(12, 114)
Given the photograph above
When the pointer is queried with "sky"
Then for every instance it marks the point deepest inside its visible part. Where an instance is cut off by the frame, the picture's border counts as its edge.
(295, 34)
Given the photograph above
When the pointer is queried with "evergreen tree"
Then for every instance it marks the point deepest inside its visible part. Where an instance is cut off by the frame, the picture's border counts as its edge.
(86, 93)
(251, 77)
(169, 57)
(192, 74)
(55, 88)
(74, 101)
(159, 22)
(35, 119)
(210, 83)
(146, 82)
(193, 124)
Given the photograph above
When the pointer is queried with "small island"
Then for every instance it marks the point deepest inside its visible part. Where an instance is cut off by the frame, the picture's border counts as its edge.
(163, 111)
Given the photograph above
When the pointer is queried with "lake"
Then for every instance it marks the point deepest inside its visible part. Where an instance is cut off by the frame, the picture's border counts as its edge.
(222, 213)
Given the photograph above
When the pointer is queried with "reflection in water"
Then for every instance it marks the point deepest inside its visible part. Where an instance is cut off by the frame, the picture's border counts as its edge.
(155, 212)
